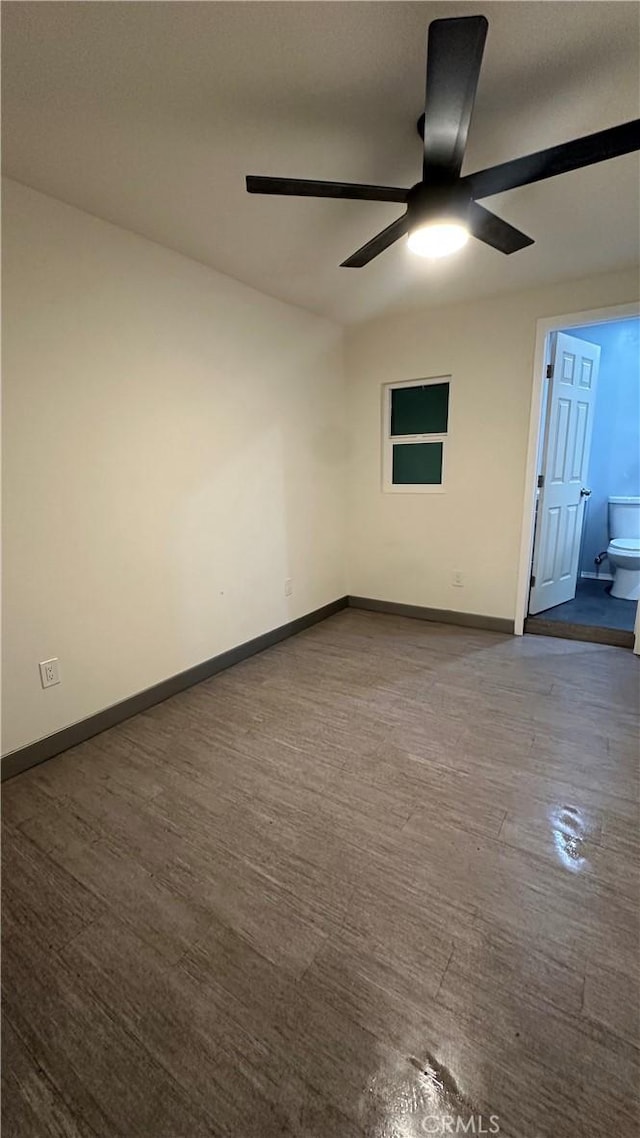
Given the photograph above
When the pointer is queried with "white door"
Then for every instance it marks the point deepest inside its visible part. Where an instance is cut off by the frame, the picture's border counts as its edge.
(561, 503)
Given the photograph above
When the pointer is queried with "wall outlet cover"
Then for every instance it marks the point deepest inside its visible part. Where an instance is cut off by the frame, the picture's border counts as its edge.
(50, 672)
(457, 579)
(288, 587)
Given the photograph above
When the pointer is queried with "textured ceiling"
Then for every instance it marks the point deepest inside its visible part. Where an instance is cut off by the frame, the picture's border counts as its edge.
(151, 114)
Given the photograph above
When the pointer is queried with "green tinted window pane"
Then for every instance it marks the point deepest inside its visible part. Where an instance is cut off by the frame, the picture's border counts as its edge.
(417, 464)
(420, 410)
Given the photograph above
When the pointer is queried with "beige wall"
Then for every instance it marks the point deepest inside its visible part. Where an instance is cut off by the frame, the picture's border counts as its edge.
(404, 547)
(175, 447)
(173, 451)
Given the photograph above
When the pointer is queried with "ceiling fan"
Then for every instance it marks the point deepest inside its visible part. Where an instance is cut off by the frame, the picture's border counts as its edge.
(442, 209)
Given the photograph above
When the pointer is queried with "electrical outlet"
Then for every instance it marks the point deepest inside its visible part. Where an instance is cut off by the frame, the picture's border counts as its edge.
(288, 587)
(50, 672)
(457, 579)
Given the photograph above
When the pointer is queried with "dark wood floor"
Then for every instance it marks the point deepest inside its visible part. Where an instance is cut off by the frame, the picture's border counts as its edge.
(382, 875)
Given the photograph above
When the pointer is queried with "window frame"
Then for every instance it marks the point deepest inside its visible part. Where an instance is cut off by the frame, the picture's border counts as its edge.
(388, 440)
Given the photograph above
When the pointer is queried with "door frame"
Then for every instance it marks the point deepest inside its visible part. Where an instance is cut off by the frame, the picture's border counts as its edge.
(537, 418)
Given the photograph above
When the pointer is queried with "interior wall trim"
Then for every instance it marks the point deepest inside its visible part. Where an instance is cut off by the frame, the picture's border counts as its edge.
(17, 761)
(441, 616)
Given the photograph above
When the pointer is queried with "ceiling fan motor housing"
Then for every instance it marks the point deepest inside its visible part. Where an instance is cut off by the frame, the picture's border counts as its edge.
(438, 201)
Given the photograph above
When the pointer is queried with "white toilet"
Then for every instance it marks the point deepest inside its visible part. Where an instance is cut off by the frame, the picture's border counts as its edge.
(624, 547)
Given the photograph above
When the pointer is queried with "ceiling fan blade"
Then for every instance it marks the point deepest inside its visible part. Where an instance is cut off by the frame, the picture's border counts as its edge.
(496, 232)
(454, 57)
(585, 151)
(377, 244)
(301, 187)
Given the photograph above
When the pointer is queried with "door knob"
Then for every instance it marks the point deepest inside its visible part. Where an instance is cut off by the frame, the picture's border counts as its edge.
(584, 493)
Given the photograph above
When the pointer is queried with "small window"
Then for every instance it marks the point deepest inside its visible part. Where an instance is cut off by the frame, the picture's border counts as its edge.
(416, 423)
(422, 410)
(417, 464)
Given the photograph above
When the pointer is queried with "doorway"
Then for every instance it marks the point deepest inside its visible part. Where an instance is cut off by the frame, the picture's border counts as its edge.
(584, 580)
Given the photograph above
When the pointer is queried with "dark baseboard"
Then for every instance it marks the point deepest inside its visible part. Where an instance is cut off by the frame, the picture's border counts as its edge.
(441, 616)
(18, 761)
(616, 637)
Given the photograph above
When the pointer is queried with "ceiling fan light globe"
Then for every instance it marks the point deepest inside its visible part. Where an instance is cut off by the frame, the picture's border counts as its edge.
(438, 238)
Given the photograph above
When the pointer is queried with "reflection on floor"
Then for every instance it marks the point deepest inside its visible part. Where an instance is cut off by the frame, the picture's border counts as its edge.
(592, 605)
